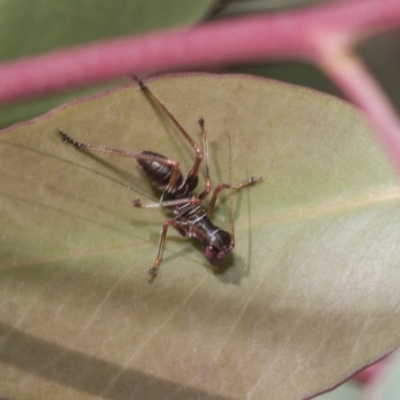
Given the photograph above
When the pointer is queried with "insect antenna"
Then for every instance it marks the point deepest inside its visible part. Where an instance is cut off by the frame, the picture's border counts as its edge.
(231, 191)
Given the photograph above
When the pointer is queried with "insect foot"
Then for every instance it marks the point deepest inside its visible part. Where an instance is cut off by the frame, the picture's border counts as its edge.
(137, 203)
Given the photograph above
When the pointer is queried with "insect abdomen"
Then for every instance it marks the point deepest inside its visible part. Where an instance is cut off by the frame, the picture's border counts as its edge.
(158, 174)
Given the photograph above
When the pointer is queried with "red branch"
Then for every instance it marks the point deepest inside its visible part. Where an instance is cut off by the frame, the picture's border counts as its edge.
(320, 34)
(296, 34)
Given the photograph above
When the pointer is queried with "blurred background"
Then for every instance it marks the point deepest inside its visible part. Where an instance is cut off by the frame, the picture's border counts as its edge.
(32, 27)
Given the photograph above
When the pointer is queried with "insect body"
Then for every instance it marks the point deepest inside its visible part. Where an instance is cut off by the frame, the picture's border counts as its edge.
(189, 218)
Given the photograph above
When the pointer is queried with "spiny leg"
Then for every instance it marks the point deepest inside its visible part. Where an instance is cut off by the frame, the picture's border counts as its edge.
(153, 270)
(192, 177)
(249, 182)
(138, 156)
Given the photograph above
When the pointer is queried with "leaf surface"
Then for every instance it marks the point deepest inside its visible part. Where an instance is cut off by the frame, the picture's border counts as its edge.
(310, 295)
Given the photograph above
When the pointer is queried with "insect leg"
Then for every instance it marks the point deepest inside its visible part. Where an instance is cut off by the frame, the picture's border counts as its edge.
(176, 168)
(192, 177)
(170, 203)
(249, 182)
(167, 223)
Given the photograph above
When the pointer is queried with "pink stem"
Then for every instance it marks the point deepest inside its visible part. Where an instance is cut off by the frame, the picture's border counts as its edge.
(349, 73)
(282, 35)
(369, 374)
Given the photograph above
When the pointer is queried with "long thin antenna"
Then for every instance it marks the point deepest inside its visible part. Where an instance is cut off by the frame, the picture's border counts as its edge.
(231, 191)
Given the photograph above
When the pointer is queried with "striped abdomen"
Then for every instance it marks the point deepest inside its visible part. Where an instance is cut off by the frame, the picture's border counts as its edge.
(159, 175)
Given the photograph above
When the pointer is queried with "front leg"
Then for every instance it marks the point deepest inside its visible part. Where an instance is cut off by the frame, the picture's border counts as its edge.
(249, 182)
(153, 270)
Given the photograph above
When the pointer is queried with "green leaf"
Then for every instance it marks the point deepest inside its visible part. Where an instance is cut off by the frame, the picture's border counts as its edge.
(29, 27)
(35, 26)
(310, 295)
